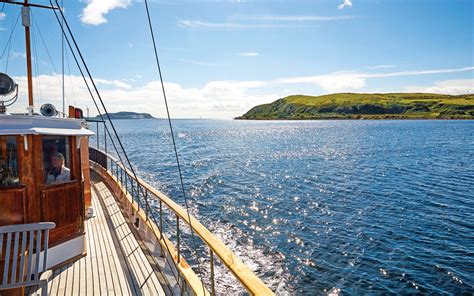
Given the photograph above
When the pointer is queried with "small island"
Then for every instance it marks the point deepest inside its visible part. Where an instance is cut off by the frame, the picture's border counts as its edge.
(127, 115)
(366, 106)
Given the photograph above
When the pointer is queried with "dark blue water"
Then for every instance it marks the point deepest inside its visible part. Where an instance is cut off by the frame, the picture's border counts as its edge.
(350, 207)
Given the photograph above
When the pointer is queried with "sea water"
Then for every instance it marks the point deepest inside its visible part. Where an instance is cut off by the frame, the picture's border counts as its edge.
(317, 207)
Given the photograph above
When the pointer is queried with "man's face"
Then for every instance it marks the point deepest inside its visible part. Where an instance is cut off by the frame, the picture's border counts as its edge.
(56, 162)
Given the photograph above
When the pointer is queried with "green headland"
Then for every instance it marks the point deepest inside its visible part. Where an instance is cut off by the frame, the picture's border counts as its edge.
(127, 115)
(366, 106)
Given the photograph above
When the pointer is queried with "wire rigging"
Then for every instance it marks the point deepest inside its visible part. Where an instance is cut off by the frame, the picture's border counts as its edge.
(9, 43)
(45, 46)
(86, 83)
(168, 112)
(152, 35)
(93, 84)
(98, 109)
(10, 37)
(70, 78)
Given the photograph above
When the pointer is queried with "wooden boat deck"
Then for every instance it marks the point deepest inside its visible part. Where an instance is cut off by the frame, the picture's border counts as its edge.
(115, 262)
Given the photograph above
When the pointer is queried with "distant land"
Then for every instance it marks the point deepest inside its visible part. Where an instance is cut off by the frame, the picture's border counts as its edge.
(128, 115)
(366, 106)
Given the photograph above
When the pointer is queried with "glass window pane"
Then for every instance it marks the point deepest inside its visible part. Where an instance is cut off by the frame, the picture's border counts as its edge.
(56, 159)
(8, 161)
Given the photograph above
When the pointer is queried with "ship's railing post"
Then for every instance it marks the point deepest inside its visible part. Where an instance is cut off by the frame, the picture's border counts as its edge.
(137, 191)
(132, 193)
(177, 238)
(126, 185)
(121, 176)
(161, 219)
(105, 138)
(146, 204)
(213, 288)
(111, 167)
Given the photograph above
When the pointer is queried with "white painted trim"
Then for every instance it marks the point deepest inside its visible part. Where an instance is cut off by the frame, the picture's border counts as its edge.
(39, 125)
(25, 140)
(65, 251)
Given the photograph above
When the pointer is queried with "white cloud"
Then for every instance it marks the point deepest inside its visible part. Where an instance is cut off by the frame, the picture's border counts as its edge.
(451, 87)
(3, 15)
(216, 99)
(95, 11)
(211, 25)
(349, 81)
(16, 54)
(346, 3)
(381, 67)
(173, 48)
(249, 54)
(298, 18)
(262, 22)
(419, 72)
(115, 83)
(335, 82)
(200, 63)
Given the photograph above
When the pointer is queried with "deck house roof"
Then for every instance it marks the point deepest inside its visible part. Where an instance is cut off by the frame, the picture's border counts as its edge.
(40, 125)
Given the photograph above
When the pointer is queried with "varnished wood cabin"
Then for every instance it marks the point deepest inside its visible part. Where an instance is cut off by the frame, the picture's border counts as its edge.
(28, 145)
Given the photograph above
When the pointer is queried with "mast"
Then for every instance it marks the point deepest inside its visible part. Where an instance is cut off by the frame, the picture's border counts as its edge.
(25, 18)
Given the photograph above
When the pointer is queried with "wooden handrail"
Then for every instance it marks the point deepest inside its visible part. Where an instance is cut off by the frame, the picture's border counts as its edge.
(249, 280)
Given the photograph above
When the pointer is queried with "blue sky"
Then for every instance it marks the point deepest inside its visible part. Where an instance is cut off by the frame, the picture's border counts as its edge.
(220, 58)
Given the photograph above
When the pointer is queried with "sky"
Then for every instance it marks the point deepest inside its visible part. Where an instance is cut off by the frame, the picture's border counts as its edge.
(220, 58)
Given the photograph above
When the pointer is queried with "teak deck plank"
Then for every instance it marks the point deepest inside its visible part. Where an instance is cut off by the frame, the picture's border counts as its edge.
(82, 278)
(88, 265)
(114, 277)
(147, 279)
(115, 264)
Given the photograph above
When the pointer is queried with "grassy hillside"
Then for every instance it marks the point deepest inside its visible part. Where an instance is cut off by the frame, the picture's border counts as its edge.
(128, 115)
(367, 106)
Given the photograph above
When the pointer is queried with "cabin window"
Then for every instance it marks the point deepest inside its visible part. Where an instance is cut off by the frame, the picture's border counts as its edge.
(56, 159)
(8, 161)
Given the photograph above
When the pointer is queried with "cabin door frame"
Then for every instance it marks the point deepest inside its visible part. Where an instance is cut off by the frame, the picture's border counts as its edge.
(61, 203)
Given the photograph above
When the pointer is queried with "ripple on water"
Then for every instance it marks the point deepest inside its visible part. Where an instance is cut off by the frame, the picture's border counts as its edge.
(326, 207)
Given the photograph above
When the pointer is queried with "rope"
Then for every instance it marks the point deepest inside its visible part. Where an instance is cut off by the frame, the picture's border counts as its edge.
(97, 92)
(86, 83)
(152, 35)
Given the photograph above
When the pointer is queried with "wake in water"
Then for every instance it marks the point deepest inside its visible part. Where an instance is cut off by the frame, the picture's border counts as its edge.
(327, 207)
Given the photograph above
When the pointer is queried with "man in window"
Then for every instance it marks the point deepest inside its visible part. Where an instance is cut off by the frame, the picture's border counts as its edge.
(58, 172)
